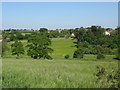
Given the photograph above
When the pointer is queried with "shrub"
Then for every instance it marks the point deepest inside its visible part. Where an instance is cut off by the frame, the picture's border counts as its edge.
(118, 54)
(100, 56)
(17, 48)
(108, 79)
(79, 53)
(66, 56)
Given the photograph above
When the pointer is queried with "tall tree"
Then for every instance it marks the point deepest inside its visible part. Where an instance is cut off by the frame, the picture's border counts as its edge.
(80, 33)
(38, 46)
(17, 48)
(43, 30)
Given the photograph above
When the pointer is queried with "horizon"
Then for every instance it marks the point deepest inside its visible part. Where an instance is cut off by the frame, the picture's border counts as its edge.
(59, 15)
(56, 28)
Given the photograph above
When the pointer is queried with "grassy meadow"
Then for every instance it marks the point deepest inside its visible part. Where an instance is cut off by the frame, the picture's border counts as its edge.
(57, 73)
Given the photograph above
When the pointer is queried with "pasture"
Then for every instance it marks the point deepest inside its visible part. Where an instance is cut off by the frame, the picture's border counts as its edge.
(57, 73)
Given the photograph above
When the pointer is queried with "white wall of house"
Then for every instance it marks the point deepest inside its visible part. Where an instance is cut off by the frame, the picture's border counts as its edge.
(107, 33)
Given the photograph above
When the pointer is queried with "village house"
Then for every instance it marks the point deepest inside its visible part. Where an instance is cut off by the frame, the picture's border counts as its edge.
(107, 32)
(73, 35)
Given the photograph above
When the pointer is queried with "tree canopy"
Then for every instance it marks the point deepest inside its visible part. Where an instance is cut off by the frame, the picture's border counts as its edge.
(17, 48)
(38, 46)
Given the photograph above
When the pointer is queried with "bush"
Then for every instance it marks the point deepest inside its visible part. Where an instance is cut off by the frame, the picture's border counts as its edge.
(118, 54)
(100, 56)
(79, 53)
(66, 56)
(108, 79)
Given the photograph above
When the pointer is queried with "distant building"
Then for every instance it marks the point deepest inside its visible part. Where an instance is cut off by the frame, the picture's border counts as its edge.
(73, 35)
(107, 32)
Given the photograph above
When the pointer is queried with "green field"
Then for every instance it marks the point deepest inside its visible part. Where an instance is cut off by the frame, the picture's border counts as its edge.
(57, 73)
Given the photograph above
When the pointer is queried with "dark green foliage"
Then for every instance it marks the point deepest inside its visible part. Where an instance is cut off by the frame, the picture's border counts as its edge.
(111, 79)
(54, 34)
(66, 56)
(79, 53)
(43, 30)
(4, 46)
(17, 48)
(19, 36)
(90, 38)
(80, 34)
(15, 35)
(12, 37)
(66, 33)
(118, 52)
(99, 49)
(94, 41)
(38, 47)
(5, 35)
(97, 31)
(100, 73)
(100, 56)
(27, 36)
(94, 30)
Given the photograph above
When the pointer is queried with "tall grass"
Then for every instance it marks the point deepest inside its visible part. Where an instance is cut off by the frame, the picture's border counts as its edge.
(25, 73)
(56, 73)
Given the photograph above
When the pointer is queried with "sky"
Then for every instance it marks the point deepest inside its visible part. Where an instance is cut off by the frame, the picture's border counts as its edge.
(59, 15)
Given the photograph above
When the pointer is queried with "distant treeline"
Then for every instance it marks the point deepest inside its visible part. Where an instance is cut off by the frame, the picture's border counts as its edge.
(92, 40)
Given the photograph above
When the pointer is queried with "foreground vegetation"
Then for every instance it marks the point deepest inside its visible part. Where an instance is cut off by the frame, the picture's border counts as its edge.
(24, 73)
(42, 60)
(57, 73)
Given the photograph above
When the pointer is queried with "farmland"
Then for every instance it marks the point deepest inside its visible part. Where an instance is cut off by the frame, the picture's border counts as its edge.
(59, 45)
(57, 73)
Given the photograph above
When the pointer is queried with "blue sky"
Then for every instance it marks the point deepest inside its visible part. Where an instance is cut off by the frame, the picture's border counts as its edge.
(56, 15)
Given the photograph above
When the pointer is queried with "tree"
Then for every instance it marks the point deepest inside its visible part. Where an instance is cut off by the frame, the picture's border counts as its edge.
(12, 37)
(118, 44)
(53, 34)
(79, 53)
(99, 51)
(17, 48)
(90, 37)
(43, 30)
(80, 33)
(38, 46)
(19, 36)
(4, 46)
(94, 30)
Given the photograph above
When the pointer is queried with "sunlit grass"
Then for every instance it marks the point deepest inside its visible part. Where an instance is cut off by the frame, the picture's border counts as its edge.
(57, 73)
(24, 73)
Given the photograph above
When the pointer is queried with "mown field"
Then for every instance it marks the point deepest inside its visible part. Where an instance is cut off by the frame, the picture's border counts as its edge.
(57, 73)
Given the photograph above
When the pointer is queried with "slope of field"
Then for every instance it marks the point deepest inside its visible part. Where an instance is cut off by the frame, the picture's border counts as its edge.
(57, 73)
(61, 47)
